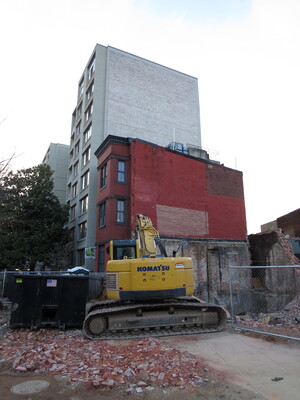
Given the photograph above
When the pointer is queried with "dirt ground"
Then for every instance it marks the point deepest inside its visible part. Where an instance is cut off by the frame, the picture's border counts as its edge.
(216, 388)
(58, 390)
(66, 361)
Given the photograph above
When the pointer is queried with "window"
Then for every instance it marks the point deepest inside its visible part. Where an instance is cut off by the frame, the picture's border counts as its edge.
(86, 156)
(82, 230)
(78, 128)
(88, 112)
(120, 211)
(103, 176)
(73, 212)
(72, 234)
(91, 68)
(80, 88)
(84, 205)
(101, 258)
(74, 189)
(68, 191)
(76, 168)
(80, 257)
(79, 110)
(87, 133)
(121, 171)
(90, 92)
(102, 214)
(85, 180)
(77, 145)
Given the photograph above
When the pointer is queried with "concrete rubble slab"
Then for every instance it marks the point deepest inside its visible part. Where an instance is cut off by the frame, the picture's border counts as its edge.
(29, 387)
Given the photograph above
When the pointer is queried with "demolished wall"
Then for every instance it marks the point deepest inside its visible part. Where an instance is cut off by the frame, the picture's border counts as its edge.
(271, 248)
(211, 259)
(273, 287)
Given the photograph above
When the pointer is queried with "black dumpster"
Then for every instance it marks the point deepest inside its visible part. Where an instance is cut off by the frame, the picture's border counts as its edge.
(48, 300)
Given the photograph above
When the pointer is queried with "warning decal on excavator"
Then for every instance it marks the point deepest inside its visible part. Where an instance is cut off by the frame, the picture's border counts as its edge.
(179, 265)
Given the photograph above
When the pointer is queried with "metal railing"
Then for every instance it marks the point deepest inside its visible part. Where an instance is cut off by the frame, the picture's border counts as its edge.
(266, 300)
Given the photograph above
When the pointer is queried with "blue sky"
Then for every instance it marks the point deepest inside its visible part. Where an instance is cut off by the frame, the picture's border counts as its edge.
(245, 55)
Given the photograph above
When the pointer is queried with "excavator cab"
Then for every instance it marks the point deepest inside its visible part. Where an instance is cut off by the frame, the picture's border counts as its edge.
(122, 249)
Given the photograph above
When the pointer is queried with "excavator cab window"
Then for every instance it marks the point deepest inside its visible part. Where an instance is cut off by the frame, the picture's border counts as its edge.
(124, 252)
(120, 249)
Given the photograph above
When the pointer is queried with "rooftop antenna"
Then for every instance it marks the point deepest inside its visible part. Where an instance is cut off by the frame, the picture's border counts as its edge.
(174, 137)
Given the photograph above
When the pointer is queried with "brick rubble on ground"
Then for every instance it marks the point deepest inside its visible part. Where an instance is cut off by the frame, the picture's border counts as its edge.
(137, 363)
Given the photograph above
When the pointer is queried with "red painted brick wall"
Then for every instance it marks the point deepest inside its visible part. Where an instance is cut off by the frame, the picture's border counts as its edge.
(184, 197)
(200, 199)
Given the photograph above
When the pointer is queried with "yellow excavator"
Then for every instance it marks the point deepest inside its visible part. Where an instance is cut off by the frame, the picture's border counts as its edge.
(148, 293)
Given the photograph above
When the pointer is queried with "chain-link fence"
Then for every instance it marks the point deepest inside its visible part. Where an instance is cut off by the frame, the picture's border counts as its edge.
(266, 299)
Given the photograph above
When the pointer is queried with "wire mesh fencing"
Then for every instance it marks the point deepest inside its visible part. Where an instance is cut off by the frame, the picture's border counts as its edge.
(266, 299)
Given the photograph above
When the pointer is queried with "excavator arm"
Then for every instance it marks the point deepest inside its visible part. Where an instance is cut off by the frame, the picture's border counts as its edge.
(148, 236)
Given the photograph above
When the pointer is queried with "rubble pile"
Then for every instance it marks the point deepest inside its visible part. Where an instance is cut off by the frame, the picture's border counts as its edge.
(286, 321)
(288, 248)
(137, 364)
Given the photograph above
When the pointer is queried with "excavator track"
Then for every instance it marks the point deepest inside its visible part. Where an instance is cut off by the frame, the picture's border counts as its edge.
(180, 316)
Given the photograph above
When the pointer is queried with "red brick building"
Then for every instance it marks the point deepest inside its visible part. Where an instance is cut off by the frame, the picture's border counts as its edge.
(185, 196)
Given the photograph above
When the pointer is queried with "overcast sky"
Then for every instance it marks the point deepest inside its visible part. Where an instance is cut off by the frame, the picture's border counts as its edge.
(245, 54)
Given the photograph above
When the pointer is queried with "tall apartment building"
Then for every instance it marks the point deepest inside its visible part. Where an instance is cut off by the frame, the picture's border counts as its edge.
(124, 95)
(57, 158)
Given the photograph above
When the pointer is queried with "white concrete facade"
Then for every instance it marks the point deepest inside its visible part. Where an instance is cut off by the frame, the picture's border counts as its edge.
(123, 95)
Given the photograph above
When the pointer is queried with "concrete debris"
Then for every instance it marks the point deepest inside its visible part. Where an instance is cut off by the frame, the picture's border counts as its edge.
(287, 320)
(137, 366)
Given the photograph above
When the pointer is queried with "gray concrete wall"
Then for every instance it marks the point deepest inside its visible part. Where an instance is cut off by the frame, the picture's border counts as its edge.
(57, 158)
(150, 101)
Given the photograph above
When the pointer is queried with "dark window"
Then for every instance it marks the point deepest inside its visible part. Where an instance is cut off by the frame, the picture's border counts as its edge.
(91, 67)
(121, 171)
(101, 258)
(86, 156)
(72, 234)
(80, 257)
(87, 133)
(74, 189)
(120, 211)
(82, 230)
(103, 176)
(102, 214)
(73, 212)
(77, 145)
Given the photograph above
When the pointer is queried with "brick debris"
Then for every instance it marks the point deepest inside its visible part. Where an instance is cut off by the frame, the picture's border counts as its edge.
(135, 364)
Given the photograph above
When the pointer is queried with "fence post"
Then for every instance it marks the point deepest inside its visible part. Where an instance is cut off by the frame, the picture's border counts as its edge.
(231, 297)
(3, 282)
